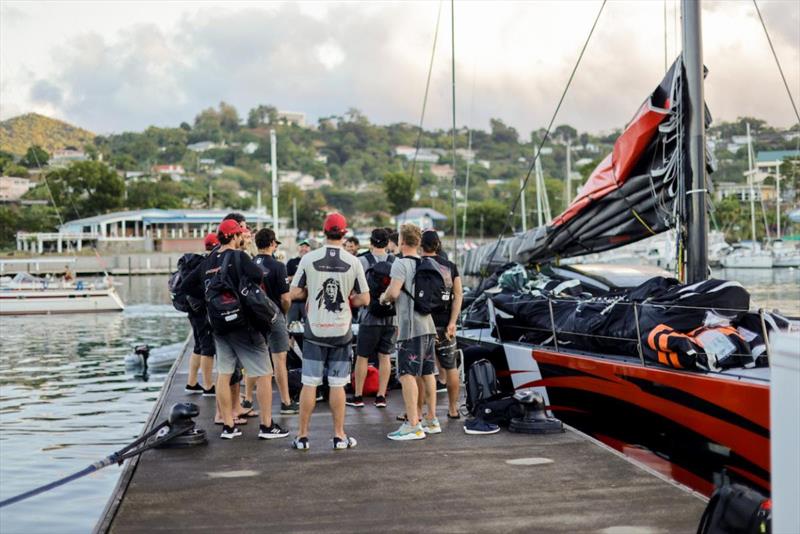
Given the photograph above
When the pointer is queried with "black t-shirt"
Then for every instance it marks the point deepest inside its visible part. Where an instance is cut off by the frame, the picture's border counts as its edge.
(291, 266)
(274, 277)
(442, 319)
(194, 284)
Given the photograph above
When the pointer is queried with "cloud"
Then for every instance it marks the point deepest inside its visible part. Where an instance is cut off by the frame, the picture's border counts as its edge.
(375, 57)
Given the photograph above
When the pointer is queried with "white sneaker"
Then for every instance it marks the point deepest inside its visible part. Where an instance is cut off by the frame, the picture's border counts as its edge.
(432, 426)
(407, 432)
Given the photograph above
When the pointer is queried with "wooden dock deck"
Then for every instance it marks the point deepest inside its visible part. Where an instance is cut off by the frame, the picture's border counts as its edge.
(450, 482)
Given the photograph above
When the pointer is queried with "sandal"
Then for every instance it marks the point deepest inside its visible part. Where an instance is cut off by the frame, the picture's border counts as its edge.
(249, 413)
(236, 421)
(456, 416)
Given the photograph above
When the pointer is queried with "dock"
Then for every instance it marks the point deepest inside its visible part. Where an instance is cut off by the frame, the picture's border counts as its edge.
(450, 482)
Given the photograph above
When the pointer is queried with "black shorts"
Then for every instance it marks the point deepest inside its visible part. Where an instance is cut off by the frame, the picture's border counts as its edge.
(375, 339)
(415, 356)
(203, 337)
(446, 350)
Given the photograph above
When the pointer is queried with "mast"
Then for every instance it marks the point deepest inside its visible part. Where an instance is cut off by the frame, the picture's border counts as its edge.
(750, 178)
(697, 225)
(274, 168)
(523, 205)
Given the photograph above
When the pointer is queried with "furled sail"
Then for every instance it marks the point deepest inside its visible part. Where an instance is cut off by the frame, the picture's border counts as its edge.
(631, 194)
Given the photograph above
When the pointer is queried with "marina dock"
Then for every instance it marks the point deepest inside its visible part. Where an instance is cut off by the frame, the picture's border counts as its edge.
(451, 482)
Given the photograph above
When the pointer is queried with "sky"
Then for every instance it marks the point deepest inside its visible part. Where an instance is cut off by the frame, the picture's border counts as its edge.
(116, 66)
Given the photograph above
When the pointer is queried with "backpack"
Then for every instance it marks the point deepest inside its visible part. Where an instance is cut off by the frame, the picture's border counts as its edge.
(378, 279)
(736, 509)
(223, 308)
(259, 308)
(433, 287)
(180, 300)
(499, 411)
(481, 385)
(371, 382)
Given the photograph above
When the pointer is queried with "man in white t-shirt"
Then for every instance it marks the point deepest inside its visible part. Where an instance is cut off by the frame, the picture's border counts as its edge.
(330, 280)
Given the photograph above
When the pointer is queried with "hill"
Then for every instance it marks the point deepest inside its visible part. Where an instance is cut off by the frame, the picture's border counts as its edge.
(18, 133)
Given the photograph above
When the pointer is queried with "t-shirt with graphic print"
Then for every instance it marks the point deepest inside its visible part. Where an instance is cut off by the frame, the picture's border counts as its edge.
(329, 274)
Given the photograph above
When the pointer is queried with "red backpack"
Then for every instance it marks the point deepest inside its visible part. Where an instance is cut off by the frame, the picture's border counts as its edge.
(370, 382)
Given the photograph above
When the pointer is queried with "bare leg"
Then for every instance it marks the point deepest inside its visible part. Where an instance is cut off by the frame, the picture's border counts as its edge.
(452, 390)
(430, 395)
(361, 374)
(224, 398)
(336, 402)
(384, 373)
(249, 384)
(442, 376)
(410, 395)
(281, 376)
(264, 392)
(194, 365)
(420, 395)
(308, 399)
(207, 366)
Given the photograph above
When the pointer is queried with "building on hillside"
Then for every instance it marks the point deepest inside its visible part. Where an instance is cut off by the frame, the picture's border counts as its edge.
(250, 148)
(63, 157)
(768, 160)
(12, 188)
(443, 171)
(135, 231)
(485, 163)
(176, 172)
(202, 146)
(740, 191)
(305, 182)
(546, 151)
(136, 176)
(319, 157)
(466, 154)
(295, 118)
(425, 155)
(423, 217)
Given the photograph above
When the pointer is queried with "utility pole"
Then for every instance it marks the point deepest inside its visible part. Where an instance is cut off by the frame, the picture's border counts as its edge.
(453, 77)
(466, 188)
(294, 213)
(523, 204)
(274, 168)
(778, 199)
(568, 179)
(697, 235)
(210, 196)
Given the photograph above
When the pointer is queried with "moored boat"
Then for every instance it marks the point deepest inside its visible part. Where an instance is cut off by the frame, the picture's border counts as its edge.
(29, 295)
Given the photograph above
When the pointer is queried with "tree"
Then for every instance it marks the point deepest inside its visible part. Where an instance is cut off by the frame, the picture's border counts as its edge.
(166, 194)
(35, 157)
(399, 188)
(260, 115)
(6, 159)
(228, 117)
(565, 132)
(87, 188)
(502, 133)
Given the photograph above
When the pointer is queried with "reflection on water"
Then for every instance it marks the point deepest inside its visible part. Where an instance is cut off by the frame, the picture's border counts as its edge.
(66, 401)
(771, 289)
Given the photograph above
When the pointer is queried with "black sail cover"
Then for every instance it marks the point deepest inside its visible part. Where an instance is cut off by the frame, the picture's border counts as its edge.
(631, 194)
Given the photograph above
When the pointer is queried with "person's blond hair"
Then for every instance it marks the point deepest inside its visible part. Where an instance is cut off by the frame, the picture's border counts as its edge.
(410, 235)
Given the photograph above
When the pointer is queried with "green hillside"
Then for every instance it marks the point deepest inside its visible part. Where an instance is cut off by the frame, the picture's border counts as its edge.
(18, 133)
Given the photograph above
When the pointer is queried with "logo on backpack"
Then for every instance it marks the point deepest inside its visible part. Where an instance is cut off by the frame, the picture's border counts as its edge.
(433, 287)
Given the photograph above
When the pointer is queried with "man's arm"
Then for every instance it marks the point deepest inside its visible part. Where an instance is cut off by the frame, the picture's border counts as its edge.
(455, 309)
(298, 289)
(396, 285)
(361, 295)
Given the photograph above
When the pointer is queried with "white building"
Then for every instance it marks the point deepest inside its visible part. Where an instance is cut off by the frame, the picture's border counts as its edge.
(12, 187)
(425, 218)
(250, 148)
(202, 146)
(292, 117)
(64, 157)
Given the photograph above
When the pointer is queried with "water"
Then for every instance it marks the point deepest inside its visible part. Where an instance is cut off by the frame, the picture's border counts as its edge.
(66, 400)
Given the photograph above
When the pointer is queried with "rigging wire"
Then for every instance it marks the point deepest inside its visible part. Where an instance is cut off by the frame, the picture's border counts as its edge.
(453, 76)
(469, 154)
(427, 88)
(777, 61)
(665, 36)
(510, 218)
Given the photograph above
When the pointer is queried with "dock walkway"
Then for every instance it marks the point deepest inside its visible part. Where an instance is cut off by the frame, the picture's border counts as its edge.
(450, 482)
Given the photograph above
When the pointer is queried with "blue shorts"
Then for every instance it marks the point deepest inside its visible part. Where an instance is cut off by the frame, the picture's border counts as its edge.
(322, 361)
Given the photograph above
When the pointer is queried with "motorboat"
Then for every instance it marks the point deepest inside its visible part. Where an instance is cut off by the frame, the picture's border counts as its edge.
(785, 255)
(158, 358)
(25, 294)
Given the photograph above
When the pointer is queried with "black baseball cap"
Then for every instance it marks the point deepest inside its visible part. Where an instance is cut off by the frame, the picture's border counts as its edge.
(379, 238)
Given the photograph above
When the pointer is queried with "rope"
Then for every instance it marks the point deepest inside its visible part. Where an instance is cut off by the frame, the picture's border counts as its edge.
(777, 61)
(427, 88)
(510, 218)
(453, 76)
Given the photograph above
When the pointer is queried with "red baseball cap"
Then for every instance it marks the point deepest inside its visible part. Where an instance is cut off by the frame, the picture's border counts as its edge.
(210, 241)
(335, 222)
(229, 227)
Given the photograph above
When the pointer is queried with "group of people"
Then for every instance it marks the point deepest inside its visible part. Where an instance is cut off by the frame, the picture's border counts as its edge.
(386, 290)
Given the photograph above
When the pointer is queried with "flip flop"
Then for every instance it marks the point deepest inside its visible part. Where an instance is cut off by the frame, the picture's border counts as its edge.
(237, 421)
(249, 413)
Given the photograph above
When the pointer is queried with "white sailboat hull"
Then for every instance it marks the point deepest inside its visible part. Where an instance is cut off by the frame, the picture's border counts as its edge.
(50, 301)
(747, 261)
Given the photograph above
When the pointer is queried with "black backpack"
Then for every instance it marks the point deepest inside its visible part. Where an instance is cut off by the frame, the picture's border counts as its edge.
(481, 385)
(180, 300)
(378, 279)
(433, 287)
(261, 311)
(499, 411)
(223, 307)
(735, 509)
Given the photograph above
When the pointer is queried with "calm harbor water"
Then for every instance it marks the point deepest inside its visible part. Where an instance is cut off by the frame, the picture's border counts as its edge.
(66, 399)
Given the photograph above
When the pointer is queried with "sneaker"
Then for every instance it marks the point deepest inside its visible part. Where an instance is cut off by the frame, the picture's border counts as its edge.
(407, 432)
(356, 401)
(432, 426)
(301, 444)
(230, 432)
(346, 443)
(194, 390)
(479, 426)
(380, 401)
(210, 392)
(290, 409)
(273, 431)
(440, 388)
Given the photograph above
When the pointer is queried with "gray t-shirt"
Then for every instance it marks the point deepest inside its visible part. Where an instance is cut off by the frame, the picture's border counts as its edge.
(411, 324)
(365, 318)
